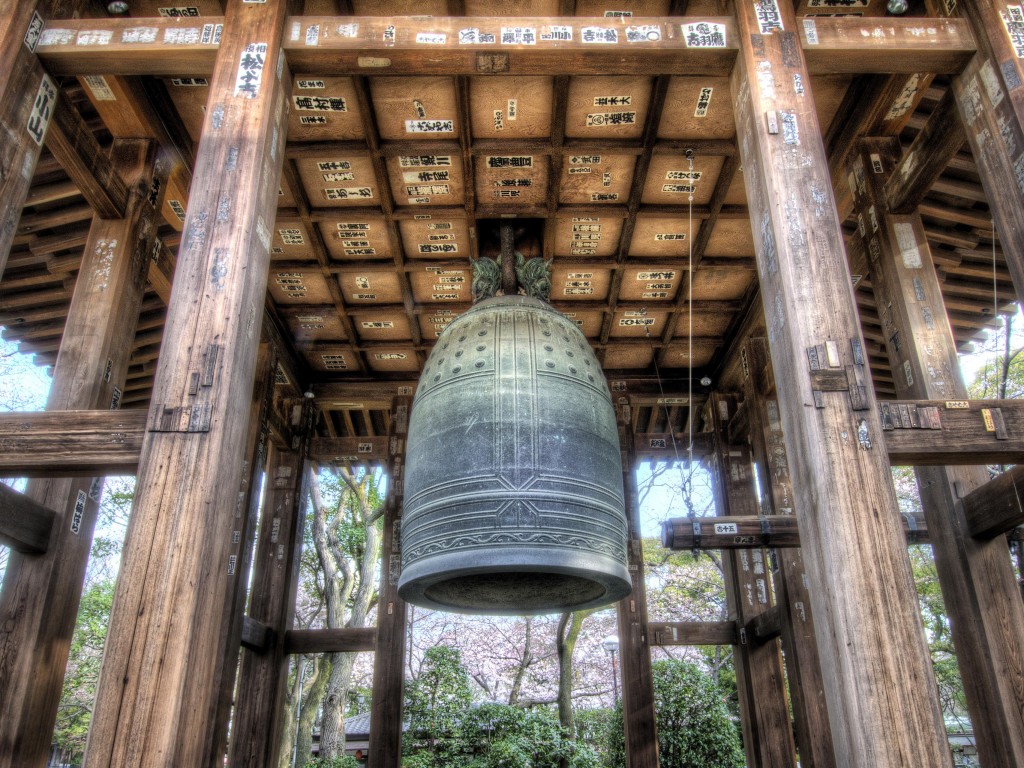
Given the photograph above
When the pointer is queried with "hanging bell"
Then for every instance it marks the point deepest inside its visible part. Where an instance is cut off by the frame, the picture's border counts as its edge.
(513, 480)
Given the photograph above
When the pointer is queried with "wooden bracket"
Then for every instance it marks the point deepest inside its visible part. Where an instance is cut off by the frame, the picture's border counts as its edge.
(829, 375)
(183, 418)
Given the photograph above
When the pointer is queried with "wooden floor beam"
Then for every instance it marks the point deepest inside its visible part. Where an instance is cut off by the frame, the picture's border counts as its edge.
(880, 690)
(40, 596)
(976, 577)
(162, 669)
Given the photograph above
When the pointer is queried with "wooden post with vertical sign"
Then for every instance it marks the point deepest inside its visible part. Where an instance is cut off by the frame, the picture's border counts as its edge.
(986, 615)
(803, 669)
(256, 727)
(881, 695)
(760, 680)
(385, 748)
(637, 682)
(40, 596)
(162, 669)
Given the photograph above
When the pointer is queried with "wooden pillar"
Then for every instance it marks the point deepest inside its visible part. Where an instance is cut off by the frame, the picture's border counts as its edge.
(243, 533)
(990, 95)
(881, 694)
(385, 748)
(978, 585)
(27, 99)
(40, 596)
(162, 668)
(803, 668)
(263, 677)
(637, 683)
(760, 680)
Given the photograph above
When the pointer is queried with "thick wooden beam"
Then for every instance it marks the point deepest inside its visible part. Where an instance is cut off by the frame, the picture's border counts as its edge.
(343, 640)
(927, 157)
(349, 450)
(25, 524)
(256, 637)
(27, 101)
(386, 721)
(970, 432)
(991, 101)
(75, 147)
(811, 726)
(39, 600)
(996, 508)
(242, 538)
(162, 668)
(881, 696)
(760, 679)
(478, 45)
(635, 677)
(693, 633)
(764, 627)
(976, 577)
(263, 676)
(70, 443)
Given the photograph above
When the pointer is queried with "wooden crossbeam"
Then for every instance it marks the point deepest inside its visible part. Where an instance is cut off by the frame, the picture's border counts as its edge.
(969, 432)
(76, 443)
(453, 46)
(25, 524)
(344, 640)
(70, 443)
(995, 508)
(86, 163)
(766, 626)
(692, 632)
(256, 636)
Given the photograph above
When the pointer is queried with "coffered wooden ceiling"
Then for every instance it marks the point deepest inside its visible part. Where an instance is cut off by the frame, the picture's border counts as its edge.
(392, 183)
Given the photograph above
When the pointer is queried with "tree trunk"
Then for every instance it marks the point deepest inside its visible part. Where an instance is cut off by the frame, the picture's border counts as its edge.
(565, 643)
(307, 716)
(526, 659)
(332, 726)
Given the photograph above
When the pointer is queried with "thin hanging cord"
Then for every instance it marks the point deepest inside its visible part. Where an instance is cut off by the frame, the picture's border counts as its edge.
(689, 315)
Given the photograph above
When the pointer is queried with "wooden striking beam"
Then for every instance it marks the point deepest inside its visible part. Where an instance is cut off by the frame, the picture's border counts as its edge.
(163, 664)
(995, 508)
(976, 577)
(479, 45)
(40, 598)
(70, 443)
(25, 524)
(73, 144)
(263, 675)
(881, 695)
(693, 633)
(345, 640)
(778, 531)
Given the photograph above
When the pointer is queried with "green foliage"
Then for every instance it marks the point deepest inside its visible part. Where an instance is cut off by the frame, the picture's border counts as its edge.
(343, 761)
(86, 652)
(694, 726)
(434, 703)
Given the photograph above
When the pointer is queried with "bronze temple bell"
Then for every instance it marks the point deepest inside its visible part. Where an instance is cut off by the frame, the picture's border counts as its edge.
(513, 481)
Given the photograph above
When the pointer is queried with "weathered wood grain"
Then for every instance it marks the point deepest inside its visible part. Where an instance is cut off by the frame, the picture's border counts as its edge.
(995, 508)
(760, 680)
(692, 632)
(39, 601)
(263, 677)
(25, 524)
(158, 690)
(342, 640)
(881, 692)
(977, 580)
